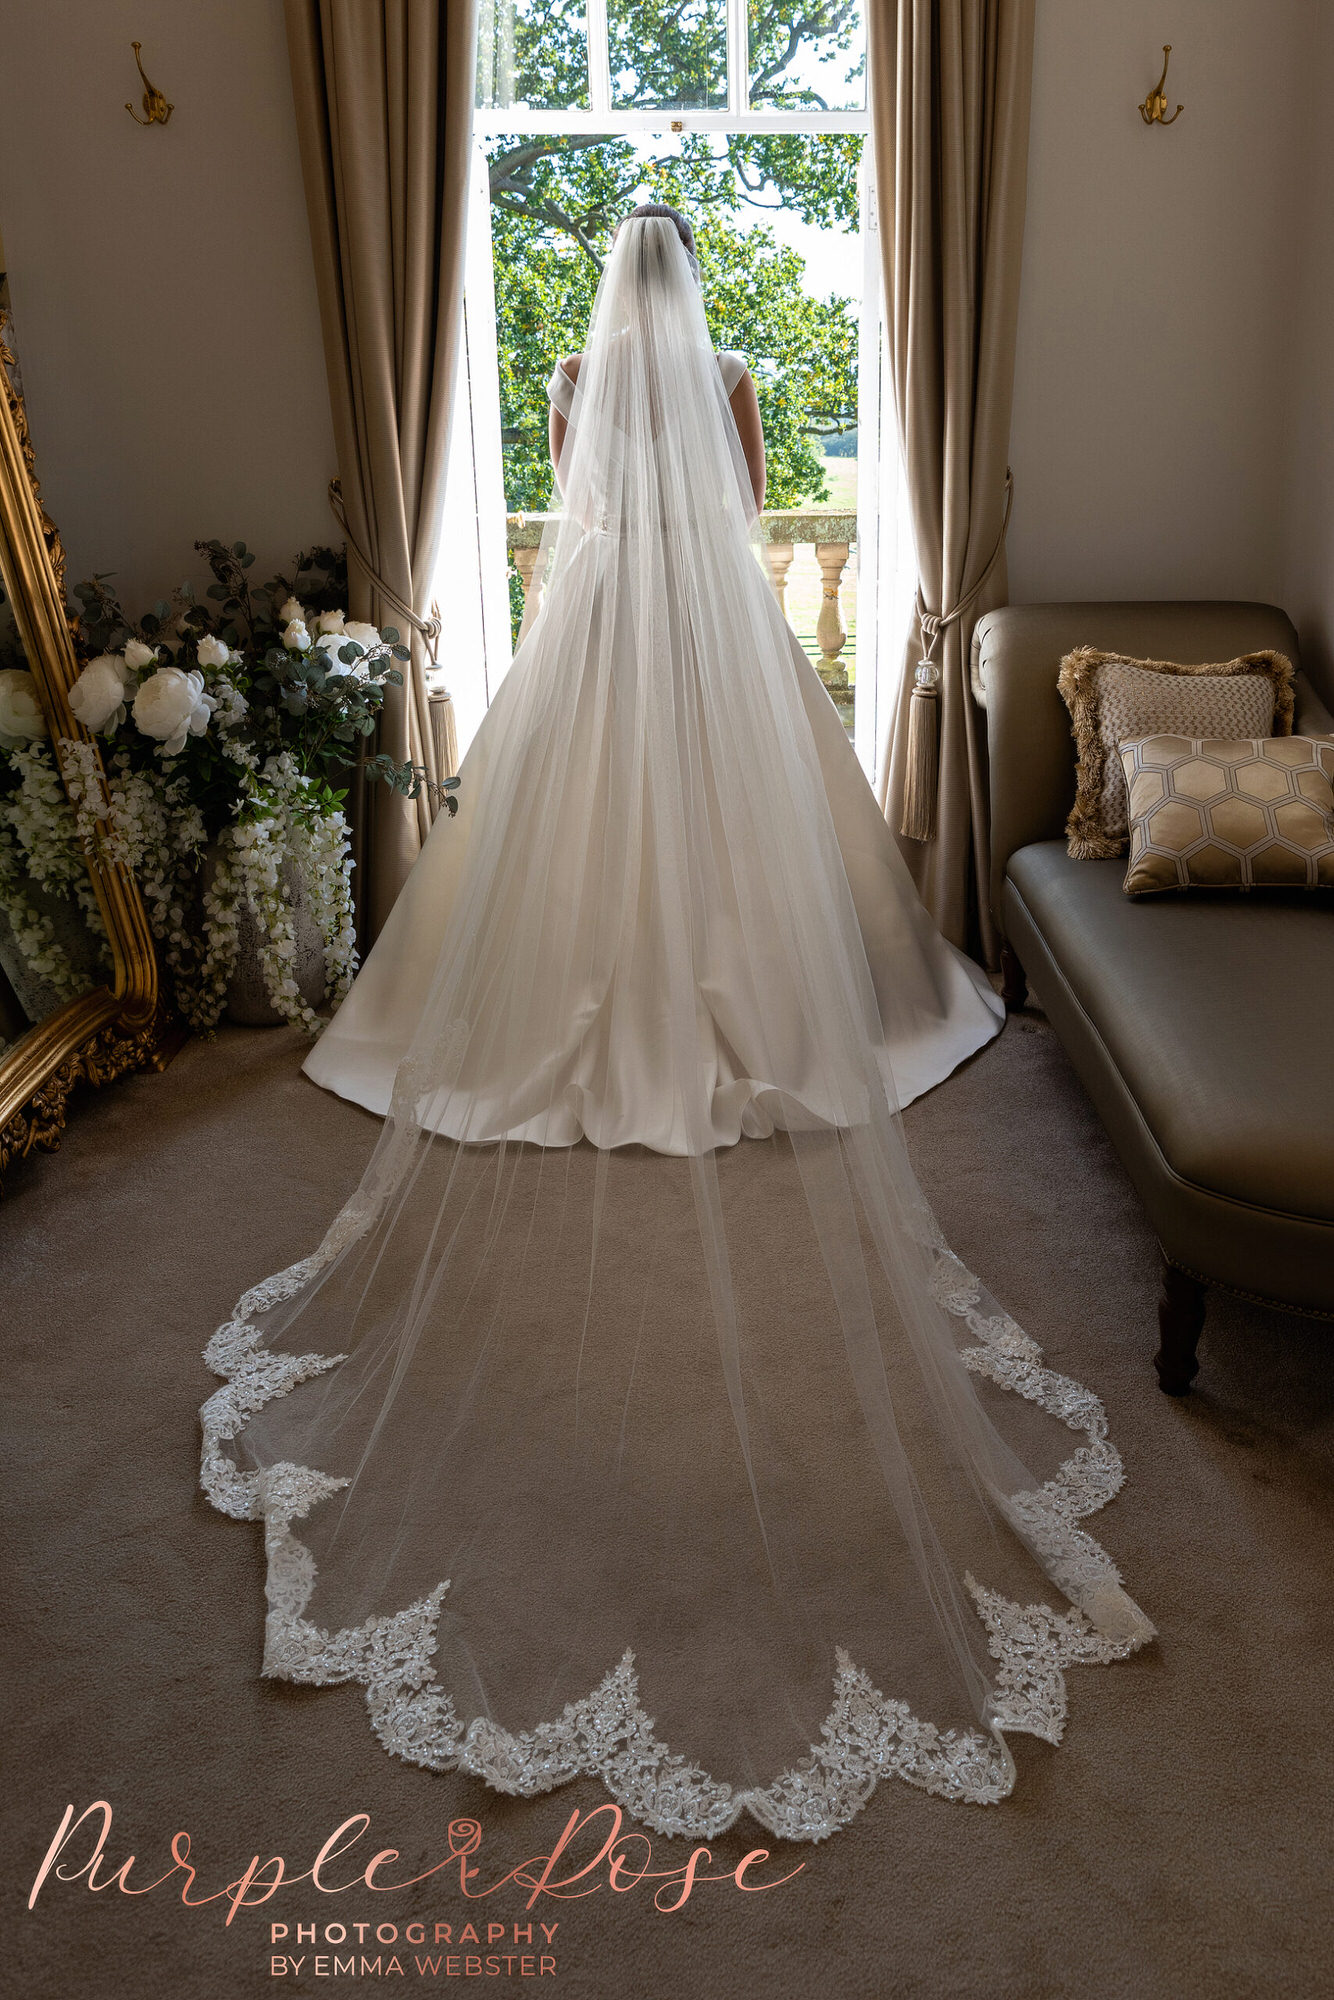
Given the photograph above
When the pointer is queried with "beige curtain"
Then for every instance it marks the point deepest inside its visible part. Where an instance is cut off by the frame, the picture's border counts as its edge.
(383, 92)
(950, 85)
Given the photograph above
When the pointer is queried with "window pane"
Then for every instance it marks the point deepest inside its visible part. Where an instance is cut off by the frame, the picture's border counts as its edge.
(532, 54)
(668, 53)
(816, 62)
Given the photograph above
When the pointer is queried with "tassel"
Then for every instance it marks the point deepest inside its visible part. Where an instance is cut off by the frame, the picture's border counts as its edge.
(923, 771)
(444, 740)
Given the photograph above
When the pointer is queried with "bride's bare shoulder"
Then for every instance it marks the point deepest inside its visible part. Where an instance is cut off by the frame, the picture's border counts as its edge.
(571, 364)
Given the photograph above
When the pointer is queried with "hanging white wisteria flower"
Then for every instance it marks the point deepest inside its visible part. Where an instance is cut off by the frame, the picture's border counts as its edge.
(41, 855)
(21, 717)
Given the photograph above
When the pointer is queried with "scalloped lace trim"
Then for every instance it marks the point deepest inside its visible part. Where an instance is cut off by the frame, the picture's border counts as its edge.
(607, 1734)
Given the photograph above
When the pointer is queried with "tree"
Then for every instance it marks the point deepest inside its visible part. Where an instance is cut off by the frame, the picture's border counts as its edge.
(557, 197)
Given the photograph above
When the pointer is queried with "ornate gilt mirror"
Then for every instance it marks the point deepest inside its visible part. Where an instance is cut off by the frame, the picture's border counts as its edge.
(78, 978)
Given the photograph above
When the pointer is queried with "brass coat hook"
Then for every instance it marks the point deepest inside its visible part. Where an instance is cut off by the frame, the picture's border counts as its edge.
(1154, 108)
(156, 108)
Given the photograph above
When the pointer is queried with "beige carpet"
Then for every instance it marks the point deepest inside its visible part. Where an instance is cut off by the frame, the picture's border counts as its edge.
(1178, 1844)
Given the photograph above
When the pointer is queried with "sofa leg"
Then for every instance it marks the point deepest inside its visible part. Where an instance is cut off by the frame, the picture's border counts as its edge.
(1014, 981)
(1180, 1318)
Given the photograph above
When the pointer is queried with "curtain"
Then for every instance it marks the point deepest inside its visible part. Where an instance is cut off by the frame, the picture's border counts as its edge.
(383, 91)
(950, 84)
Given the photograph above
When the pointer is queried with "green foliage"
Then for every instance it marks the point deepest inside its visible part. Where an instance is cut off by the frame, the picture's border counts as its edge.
(292, 701)
(671, 53)
(829, 29)
(555, 203)
(556, 199)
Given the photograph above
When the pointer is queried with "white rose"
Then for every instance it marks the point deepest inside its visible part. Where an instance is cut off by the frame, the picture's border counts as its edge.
(291, 613)
(331, 621)
(137, 655)
(296, 638)
(211, 652)
(20, 710)
(172, 704)
(364, 634)
(328, 646)
(98, 696)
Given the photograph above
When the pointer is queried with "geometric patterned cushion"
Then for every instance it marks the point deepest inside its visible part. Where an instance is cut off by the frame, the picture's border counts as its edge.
(1238, 814)
(1114, 700)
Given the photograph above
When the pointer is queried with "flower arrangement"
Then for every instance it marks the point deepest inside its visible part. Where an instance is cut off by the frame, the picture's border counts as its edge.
(42, 868)
(225, 726)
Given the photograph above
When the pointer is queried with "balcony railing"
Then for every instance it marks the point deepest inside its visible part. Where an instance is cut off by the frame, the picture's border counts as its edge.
(830, 532)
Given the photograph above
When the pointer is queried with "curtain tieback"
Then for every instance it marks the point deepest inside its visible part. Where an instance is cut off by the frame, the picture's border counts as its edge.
(429, 628)
(922, 776)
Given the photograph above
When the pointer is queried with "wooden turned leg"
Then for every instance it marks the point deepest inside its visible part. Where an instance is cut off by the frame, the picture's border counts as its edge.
(1180, 1318)
(1014, 982)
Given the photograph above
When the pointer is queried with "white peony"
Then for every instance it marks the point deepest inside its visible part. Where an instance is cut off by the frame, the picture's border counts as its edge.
(211, 652)
(98, 696)
(172, 705)
(327, 647)
(339, 669)
(20, 711)
(331, 621)
(137, 655)
(295, 637)
(291, 613)
(364, 634)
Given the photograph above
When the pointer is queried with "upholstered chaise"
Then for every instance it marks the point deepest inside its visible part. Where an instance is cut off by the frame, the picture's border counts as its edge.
(1201, 1024)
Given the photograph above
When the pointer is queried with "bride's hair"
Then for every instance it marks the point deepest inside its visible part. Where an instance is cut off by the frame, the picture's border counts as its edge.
(668, 214)
(683, 229)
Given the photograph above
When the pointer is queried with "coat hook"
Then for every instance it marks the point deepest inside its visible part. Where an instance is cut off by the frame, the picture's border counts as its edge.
(156, 108)
(1154, 108)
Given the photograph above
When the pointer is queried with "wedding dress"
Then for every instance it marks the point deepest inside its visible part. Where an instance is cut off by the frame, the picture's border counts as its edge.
(935, 1005)
(633, 1420)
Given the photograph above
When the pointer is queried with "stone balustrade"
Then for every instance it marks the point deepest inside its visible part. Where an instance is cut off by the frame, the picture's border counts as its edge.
(828, 530)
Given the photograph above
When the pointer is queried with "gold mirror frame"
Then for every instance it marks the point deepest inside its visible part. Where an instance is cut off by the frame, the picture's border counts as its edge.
(118, 1027)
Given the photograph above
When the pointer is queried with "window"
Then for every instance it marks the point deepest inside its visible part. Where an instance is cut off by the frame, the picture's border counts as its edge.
(751, 115)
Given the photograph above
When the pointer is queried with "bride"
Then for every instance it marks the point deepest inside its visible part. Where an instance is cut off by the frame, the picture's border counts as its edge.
(632, 1420)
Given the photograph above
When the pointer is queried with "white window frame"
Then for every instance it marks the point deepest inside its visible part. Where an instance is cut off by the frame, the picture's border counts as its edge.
(881, 567)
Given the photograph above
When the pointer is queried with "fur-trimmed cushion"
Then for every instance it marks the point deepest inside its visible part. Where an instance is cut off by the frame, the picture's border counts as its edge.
(1218, 815)
(1113, 699)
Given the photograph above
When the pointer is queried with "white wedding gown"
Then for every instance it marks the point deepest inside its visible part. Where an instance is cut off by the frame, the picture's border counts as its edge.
(611, 1069)
(632, 1419)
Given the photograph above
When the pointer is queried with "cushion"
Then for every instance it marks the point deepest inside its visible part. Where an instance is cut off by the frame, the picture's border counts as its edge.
(1112, 699)
(1247, 814)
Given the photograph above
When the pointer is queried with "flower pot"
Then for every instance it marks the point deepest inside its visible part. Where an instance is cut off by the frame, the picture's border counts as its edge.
(248, 1001)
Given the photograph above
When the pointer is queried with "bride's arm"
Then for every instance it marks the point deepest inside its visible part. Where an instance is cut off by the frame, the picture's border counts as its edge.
(556, 422)
(746, 410)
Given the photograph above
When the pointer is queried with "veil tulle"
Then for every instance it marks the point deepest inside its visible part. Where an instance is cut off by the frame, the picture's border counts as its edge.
(702, 1468)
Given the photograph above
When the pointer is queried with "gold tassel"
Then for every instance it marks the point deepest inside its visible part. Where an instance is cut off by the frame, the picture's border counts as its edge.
(923, 769)
(444, 739)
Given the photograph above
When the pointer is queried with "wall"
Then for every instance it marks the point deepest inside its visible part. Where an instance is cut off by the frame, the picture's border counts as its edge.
(163, 292)
(1156, 338)
(1174, 399)
(1309, 513)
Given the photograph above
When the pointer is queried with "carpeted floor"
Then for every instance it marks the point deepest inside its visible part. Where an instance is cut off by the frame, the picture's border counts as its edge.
(1178, 1844)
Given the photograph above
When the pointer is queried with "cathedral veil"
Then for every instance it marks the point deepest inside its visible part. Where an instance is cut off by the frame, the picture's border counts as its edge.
(633, 1419)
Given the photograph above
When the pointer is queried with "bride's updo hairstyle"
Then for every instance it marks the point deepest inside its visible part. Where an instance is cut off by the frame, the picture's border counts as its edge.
(668, 214)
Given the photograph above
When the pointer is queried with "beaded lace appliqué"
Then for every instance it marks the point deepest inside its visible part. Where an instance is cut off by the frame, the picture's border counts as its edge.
(607, 1735)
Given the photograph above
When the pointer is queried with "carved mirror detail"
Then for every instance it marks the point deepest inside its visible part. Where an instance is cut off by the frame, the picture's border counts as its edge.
(78, 976)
